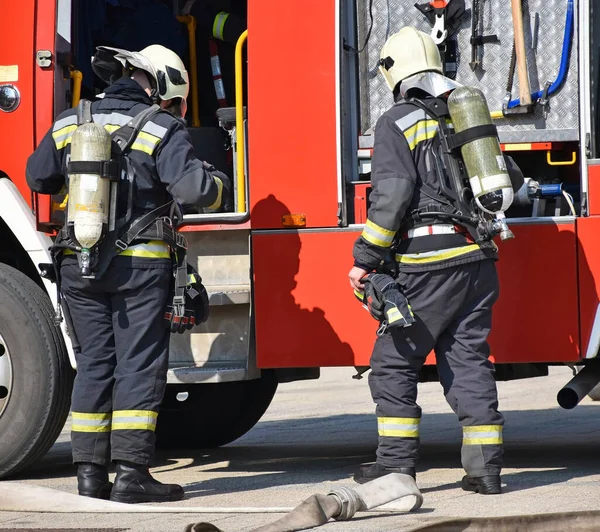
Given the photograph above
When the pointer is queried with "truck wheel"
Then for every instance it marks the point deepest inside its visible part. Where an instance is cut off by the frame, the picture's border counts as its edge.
(36, 377)
(213, 414)
(594, 395)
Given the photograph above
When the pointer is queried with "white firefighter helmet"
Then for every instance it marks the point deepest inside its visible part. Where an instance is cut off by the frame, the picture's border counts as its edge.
(406, 53)
(167, 71)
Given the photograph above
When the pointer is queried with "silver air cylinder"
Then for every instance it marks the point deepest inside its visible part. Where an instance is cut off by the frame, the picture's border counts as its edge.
(484, 162)
(88, 203)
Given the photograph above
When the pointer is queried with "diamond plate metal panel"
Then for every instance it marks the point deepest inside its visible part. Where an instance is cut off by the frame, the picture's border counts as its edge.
(562, 122)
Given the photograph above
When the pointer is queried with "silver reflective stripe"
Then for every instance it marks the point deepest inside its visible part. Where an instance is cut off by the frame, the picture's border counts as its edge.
(61, 138)
(423, 128)
(155, 129)
(145, 142)
(476, 435)
(378, 235)
(411, 119)
(397, 426)
(155, 248)
(135, 419)
(63, 122)
(117, 119)
(425, 254)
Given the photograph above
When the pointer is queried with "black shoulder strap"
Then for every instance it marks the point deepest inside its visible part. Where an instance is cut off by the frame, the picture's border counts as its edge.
(84, 112)
(436, 107)
(125, 135)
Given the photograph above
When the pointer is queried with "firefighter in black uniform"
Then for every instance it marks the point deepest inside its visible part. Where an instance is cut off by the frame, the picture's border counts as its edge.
(450, 280)
(118, 317)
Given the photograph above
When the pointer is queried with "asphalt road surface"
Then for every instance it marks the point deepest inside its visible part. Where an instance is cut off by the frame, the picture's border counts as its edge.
(316, 433)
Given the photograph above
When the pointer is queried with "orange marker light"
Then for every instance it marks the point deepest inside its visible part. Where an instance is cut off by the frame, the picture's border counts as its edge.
(293, 220)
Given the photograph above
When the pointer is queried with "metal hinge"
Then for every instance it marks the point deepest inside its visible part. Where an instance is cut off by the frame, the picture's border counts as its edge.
(43, 58)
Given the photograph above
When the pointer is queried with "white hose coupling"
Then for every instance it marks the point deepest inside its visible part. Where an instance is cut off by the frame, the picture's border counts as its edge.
(349, 503)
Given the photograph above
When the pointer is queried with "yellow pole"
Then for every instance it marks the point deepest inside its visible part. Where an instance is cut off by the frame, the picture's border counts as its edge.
(77, 78)
(239, 124)
(190, 22)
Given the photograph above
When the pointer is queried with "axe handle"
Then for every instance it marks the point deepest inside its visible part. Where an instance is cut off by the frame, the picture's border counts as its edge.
(524, 89)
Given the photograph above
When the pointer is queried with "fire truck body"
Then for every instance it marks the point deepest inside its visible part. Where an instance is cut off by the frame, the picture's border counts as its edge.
(276, 268)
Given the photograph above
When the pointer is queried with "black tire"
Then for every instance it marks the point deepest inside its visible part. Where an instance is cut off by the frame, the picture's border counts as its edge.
(42, 376)
(594, 395)
(214, 414)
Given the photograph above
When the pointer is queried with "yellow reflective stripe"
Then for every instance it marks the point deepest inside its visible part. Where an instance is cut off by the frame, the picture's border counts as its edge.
(133, 426)
(63, 136)
(398, 427)
(135, 413)
(482, 435)
(219, 25)
(422, 130)
(111, 128)
(146, 142)
(149, 137)
(88, 422)
(142, 147)
(63, 131)
(375, 234)
(134, 420)
(76, 427)
(85, 415)
(153, 249)
(394, 315)
(217, 202)
(435, 256)
(359, 295)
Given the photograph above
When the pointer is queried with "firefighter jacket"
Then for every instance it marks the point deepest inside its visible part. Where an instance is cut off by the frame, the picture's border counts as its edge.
(162, 156)
(405, 144)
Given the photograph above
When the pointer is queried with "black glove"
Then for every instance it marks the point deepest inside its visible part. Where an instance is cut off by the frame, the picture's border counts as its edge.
(195, 308)
(226, 194)
(384, 301)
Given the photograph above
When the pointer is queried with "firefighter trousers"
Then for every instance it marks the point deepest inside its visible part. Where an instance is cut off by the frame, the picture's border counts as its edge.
(123, 357)
(453, 308)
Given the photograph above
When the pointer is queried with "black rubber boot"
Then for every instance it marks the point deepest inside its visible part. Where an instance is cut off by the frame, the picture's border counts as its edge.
(487, 485)
(368, 473)
(134, 484)
(92, 480)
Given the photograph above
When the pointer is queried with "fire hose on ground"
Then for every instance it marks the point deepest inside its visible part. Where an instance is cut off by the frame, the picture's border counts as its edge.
(340, 504)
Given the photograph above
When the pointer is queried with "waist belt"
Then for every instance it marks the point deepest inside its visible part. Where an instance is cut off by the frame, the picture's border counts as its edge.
(436, 229)
(152, 249)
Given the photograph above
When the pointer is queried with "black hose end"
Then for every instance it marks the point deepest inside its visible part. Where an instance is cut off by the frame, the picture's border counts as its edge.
(568, 398)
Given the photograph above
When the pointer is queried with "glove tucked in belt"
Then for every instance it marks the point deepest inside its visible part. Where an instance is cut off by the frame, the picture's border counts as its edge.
(384, 301)
(195, 308)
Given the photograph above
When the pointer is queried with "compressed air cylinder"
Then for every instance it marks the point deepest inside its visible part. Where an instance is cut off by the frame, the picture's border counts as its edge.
(483, 157)
(88, 203)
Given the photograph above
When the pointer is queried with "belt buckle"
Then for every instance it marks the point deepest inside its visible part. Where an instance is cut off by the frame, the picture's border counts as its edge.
(121, 245)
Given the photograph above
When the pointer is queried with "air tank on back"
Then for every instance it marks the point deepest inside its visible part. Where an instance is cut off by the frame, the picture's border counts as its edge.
(88, 203)
(484, 162)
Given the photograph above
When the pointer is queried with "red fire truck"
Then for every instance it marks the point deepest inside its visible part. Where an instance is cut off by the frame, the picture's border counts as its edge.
(276, 268)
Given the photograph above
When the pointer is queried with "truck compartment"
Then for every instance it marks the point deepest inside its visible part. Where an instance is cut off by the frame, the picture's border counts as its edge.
(545, 143)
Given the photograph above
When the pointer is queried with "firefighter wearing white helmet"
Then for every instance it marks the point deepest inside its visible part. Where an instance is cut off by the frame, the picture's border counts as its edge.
(120, 304)
(444, 266)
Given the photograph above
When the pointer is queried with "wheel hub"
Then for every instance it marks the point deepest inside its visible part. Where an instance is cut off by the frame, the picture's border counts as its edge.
(5, 375)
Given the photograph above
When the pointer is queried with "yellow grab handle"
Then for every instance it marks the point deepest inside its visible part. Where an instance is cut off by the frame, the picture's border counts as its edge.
(190, 22)
(560, 163)
(77, 78)
(239, 124)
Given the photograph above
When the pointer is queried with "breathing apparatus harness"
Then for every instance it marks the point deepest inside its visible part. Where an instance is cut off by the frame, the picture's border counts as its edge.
(456, 202)
(190, 300)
